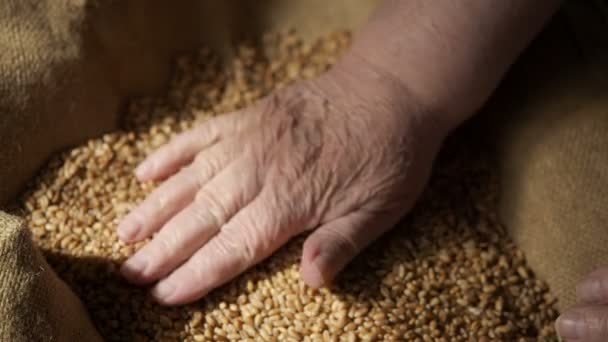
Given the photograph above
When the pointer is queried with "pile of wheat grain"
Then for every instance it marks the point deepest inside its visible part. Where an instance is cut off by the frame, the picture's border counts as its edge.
(447, 273)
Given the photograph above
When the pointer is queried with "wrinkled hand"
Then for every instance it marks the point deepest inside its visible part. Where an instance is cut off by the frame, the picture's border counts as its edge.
(588, 320)
(335, 155)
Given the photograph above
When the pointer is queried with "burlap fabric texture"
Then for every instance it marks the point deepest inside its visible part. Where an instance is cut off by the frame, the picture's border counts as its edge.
(549, 122)
(35, 305)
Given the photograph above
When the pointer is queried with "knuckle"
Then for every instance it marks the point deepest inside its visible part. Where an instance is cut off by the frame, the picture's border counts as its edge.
(166, 245)
(194, 176)
(285, 168)
(242, 242)
(205, 166)
(343, 242)
(200, 215)
(201, 159)
(251, 246)
(211, 204)
(228, 246)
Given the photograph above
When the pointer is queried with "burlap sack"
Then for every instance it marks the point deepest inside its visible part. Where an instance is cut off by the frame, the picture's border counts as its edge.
(35, 305)
(550, 122)
(66, 66)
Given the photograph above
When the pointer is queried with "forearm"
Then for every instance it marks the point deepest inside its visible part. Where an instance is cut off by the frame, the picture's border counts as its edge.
(449, 54)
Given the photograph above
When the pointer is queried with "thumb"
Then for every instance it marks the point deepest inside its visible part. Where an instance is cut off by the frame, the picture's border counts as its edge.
(334, 244)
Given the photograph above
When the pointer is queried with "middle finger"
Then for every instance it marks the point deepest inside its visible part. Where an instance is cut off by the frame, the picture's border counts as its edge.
(175, 193)
(187, 231)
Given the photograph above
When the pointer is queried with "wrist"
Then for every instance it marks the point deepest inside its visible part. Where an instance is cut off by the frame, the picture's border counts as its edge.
(447, 90)
(387, 95)
(450, 56)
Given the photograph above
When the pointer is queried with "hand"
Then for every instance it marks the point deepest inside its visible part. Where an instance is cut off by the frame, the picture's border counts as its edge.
(340, 156)
(588, 319)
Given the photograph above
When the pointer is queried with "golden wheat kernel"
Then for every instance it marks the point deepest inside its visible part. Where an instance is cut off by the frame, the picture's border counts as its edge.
(449, 282)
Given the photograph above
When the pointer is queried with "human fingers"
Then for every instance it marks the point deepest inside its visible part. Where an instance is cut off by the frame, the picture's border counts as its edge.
(175, 193)
(584, 323)
(249, 237)
(169, 158)
(594, 287)
(334, 244)
(190, 229)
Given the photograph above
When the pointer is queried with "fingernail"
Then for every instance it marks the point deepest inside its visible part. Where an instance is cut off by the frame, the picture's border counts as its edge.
(570, 325)
(134, 267)
(143, 169)
(590, 290)
(128, 230)
(163, 290)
